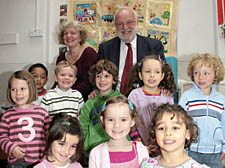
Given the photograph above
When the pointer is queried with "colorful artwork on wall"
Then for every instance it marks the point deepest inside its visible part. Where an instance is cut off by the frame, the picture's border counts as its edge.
(85, 13)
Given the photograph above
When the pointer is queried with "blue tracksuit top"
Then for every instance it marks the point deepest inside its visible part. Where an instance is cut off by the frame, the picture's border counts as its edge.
(208, 113)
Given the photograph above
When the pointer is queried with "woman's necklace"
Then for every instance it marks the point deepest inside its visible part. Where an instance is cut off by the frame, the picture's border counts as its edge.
(72, 57)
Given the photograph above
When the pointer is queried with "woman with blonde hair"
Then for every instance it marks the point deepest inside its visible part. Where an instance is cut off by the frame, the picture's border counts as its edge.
(73, 35)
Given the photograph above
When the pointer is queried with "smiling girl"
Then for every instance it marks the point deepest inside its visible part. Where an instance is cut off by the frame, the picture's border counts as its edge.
(23, 128)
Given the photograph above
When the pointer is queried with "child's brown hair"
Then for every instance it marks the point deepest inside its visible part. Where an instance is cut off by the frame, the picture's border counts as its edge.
(181, 114)
(98, 68)
(28, 77)
(121, 99)
(61, 125)
(64, 64)
(167, 82)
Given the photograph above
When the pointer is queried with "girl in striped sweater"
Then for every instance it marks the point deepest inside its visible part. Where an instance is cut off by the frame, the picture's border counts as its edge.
(24, 127)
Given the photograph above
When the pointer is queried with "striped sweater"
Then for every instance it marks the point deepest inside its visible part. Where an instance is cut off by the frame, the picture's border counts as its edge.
(57, 101)
(208, 113)
(26, 128)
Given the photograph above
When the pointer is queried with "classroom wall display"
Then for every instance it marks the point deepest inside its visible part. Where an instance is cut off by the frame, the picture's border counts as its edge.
(156, 19)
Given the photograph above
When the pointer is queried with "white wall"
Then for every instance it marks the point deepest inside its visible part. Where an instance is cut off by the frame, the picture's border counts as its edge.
(197, 32)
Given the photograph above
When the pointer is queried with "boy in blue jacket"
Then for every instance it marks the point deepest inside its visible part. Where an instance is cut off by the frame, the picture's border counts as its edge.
(206, 106)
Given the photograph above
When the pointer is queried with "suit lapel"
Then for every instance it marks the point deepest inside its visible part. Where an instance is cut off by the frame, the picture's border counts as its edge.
(139, 48)
(116, 51)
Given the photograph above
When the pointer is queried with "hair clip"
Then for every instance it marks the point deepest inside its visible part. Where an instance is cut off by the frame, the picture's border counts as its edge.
(104, 106)
(139, 64)
(65, 123)
(131, 106)
(160, 60)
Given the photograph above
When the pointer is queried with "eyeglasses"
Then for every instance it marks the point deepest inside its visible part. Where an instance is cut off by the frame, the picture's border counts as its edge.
(128, 23)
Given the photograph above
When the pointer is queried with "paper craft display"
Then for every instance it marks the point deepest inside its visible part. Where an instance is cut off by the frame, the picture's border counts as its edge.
(162, 36)
(159, 13)
(107, 11)
(139, 7)
(85, 13)
(106, 33)
(156, 19)
(92, 39)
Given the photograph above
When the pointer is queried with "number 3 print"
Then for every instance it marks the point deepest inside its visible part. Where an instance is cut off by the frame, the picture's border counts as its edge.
(28, 127)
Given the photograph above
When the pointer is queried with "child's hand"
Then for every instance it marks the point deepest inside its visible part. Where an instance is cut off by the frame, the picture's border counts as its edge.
(167, 93)
(222, 157)
(18, 152)
(93, 94)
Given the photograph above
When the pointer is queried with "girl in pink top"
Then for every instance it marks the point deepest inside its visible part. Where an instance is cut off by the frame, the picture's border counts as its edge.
(118, 116)
(64, 145)
(24, 127)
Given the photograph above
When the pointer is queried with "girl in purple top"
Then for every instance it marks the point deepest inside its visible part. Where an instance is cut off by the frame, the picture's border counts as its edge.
(64, 144)
(152, 75)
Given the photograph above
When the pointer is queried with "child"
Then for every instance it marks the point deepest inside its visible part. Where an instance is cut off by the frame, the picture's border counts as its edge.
(64, 144)
(118, 116)
(152, 75)
(206, 106)
(104, 77)
(24, 127)
(63, 98)
(172, 130)
(40, 74)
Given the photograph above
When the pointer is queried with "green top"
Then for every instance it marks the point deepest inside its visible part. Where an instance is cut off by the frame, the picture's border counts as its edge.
(93, 131)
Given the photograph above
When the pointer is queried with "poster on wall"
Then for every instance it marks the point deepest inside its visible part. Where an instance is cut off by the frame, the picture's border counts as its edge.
(83, 12)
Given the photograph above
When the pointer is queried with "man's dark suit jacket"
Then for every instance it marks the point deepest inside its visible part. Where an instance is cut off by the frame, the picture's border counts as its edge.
(110, 50)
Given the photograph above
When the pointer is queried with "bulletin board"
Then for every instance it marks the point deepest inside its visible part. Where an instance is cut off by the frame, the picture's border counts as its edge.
(156, 19)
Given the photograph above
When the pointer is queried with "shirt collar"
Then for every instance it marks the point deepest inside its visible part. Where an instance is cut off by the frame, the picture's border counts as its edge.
(133, 42)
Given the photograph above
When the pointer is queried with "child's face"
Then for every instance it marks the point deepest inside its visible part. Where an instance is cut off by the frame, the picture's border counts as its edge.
(65, 78)
(171, 133)
(40, 78)
(117, 121)
(151, 74)
(20, 93)
(62, 150)
(104, 82)
(204, 77)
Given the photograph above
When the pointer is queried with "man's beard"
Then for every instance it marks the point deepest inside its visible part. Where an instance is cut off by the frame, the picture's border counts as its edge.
(127, 39)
